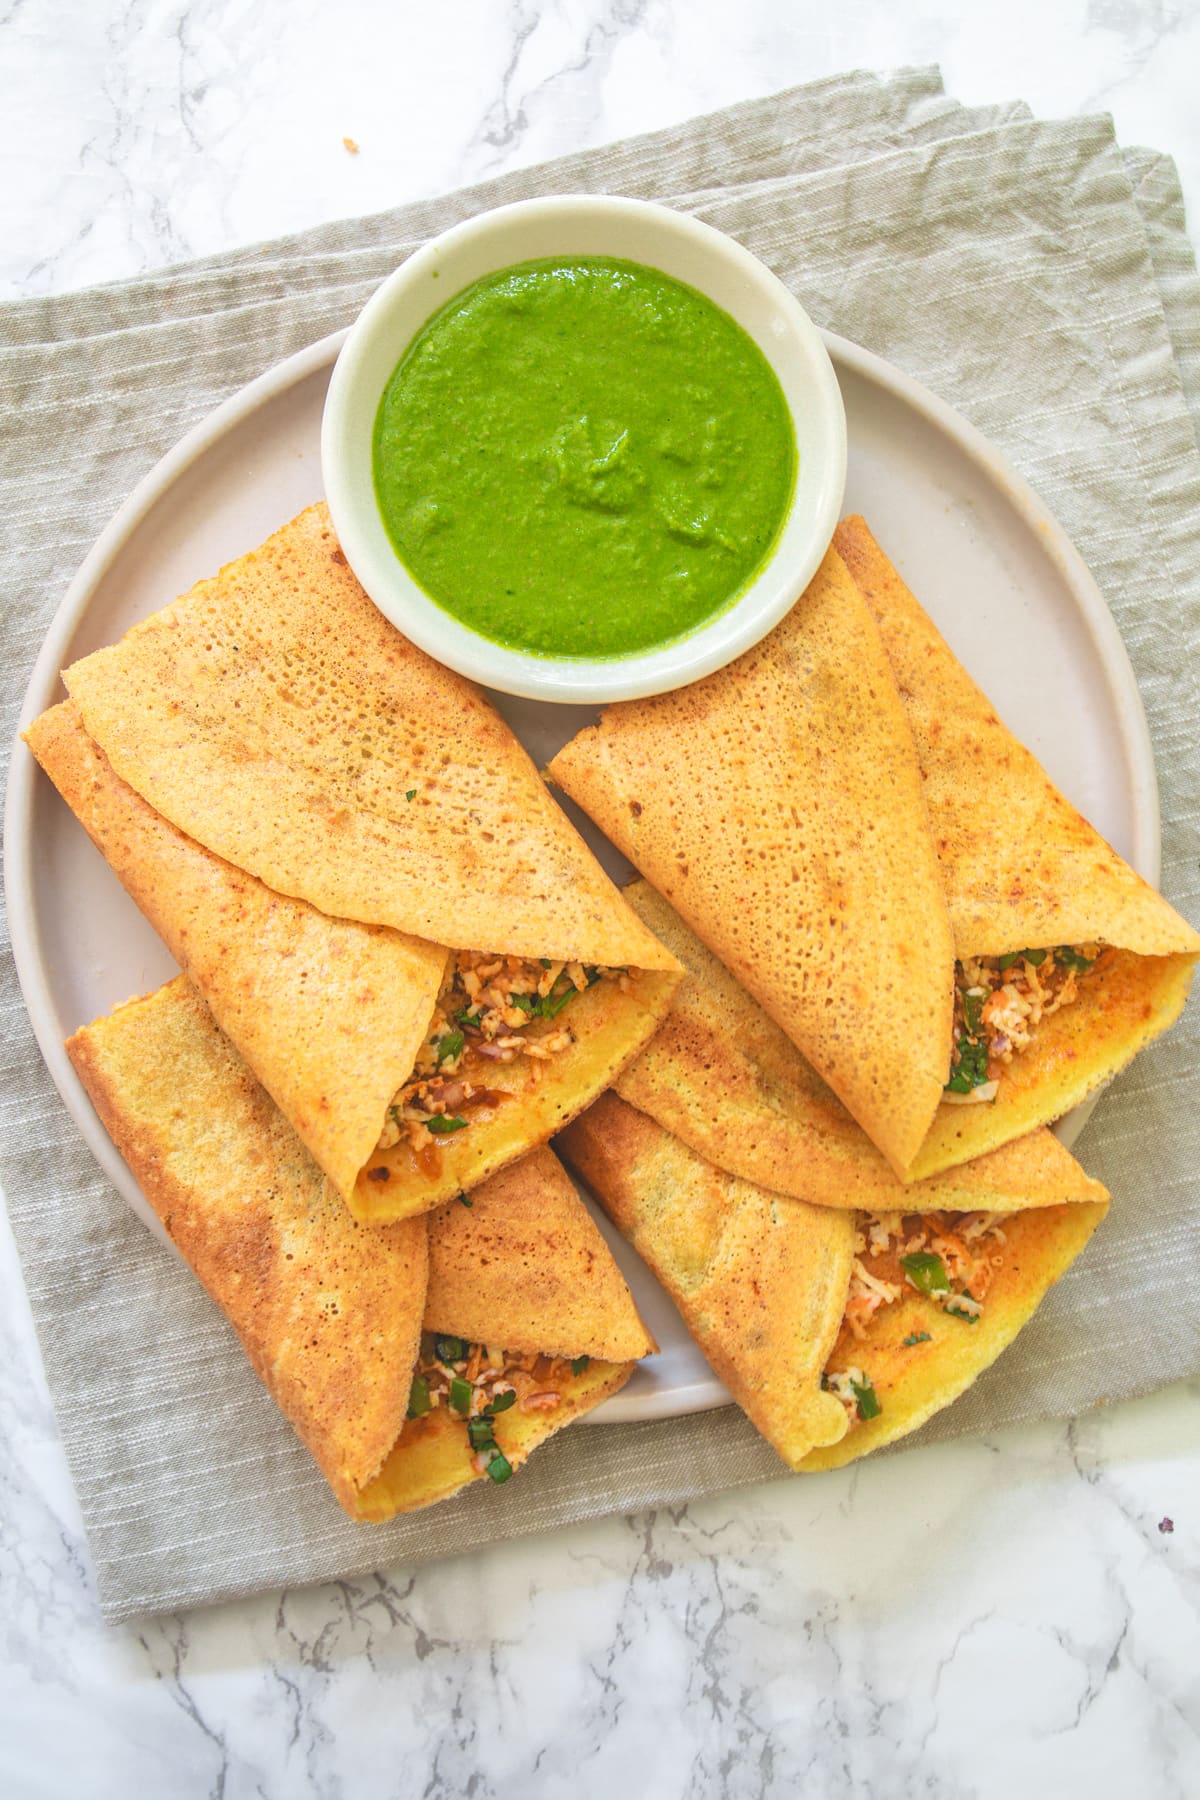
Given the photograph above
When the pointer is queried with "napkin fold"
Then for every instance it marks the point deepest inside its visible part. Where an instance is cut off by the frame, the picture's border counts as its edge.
(1036, 276)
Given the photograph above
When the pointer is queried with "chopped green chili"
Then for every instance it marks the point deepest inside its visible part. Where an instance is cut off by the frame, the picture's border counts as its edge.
(480, 1432)
(460, 1395)
(926, 1271)
(464, 1201)
(499, 1468)
(579, 1364)
(1067, 958)
(867, 1398)
(450, 1349)
(418, 1397)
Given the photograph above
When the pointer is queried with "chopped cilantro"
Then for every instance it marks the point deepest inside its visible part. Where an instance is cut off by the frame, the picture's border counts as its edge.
(970, 1071)
(418, 1397)
(915, 1337)
(546, 963)
(1067, 958)
(957, 1310)
(552, 1004)
(973, 1011)
(460, 1395)
(926, 1271)
(579, 1364)
(411, 794)
(445, 1124)
(1035, 957)
(464, 1201)
(450, 1349)
(544, 1006)
(868, 1399)
(448, 1046)
(502, 1402)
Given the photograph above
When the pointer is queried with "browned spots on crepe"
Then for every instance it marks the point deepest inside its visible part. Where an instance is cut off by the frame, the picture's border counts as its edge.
(777, 804)
(328, 1310)
(1021, 867)
(915, 1380)
(273, 714)
(722, 1077)
(525, 1266)
(761, 1281)
(329, 1013)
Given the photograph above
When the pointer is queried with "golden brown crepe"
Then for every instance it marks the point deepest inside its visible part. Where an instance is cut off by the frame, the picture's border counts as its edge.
(274, 715)
(724, 1079)
(919, 1358)
(777, 805)
(331, 1012)
(764, 1285)
(433, 1457)
(761, 1281)
(329, 1310)
(1021, 870)
(525, 1266)
(328, 1013)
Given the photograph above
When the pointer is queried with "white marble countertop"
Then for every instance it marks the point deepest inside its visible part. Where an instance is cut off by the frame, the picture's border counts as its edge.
(1010, 1614)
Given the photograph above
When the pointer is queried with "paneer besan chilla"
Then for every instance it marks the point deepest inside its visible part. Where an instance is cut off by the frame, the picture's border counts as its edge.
(343, 1321)
(835, 1331)
(327, 828)
(1068, 963)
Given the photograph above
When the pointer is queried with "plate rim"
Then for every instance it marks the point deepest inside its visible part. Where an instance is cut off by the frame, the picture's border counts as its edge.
(154, 485)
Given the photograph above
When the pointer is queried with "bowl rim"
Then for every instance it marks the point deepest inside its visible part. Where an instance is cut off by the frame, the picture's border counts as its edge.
(355, 390)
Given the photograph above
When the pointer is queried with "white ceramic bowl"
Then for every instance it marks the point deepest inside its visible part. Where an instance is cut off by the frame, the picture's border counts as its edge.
(585, 225)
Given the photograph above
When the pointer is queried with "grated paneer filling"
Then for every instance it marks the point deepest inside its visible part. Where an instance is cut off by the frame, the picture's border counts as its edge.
(474, 1382)
(999, 1001)
(482, 1021)
(951, 1258)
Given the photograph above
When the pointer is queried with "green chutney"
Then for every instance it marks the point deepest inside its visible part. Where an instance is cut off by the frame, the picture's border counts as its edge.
(582, 457)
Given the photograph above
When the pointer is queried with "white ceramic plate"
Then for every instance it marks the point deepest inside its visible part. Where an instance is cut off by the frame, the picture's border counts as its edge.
(589, 225)
(996, 572)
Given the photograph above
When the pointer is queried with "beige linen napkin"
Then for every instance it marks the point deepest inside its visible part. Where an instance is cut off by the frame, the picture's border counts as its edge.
(1031, 274)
